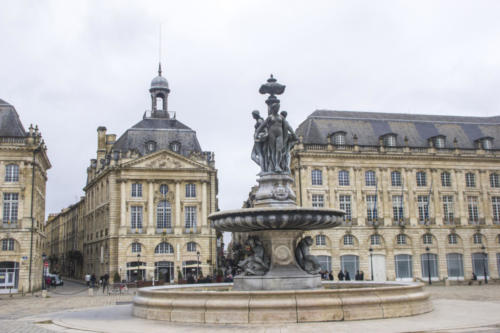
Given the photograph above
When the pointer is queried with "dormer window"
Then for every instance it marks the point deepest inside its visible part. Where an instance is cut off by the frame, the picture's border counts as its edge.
(389, 140)
(339, 139)
(175, 146)
(439, 141)
(486, 143)
(150, 146)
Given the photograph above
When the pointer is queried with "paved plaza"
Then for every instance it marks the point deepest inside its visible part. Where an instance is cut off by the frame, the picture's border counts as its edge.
(70, 309)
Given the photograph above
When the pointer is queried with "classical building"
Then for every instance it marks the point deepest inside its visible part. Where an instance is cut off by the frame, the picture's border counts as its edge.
(147, 198)
(23, 174)
(65, 235)
(421, 193)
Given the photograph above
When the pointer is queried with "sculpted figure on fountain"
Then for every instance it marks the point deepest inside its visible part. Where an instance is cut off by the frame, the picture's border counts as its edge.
(306, 261)
(257, 263)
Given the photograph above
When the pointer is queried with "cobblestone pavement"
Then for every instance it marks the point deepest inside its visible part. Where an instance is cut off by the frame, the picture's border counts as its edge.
(15, 311)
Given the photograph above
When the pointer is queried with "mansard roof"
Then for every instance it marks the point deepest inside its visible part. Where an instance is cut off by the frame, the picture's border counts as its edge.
(418, 128)
(163, 132)
(10, 124)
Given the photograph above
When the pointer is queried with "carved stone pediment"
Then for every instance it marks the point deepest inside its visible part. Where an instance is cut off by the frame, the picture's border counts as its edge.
(164, 160)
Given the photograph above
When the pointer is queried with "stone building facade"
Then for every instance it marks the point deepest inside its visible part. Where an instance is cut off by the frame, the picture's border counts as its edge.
(23, 175)
(147, 199)
(421, 193)
(65, 235)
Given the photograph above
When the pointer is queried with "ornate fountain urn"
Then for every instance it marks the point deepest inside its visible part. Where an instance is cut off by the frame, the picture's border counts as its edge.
(272, 231)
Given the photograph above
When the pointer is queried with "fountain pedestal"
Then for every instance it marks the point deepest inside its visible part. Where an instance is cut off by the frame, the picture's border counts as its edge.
(284, 272)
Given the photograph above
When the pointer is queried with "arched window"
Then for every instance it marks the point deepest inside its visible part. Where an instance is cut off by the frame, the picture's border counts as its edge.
(494, 180)
(150, 146)
(8, 244)
(343, 178)
(348, 240)
(478, 238)
(136, 247)
(429, 264)
(470, 179)
(175, 146)
(320, 240)
(389, 140)
(164, 247)
(370, 179)
(486, 143)
(164, 215)
(452, 239)
(191, 247)
(401, 239)
(339, 139)
(396, 178)
(403, 266)
(455, 265)
(427, 239)
(316, 177)
(12, 173)
(439, 141)
(375, 239)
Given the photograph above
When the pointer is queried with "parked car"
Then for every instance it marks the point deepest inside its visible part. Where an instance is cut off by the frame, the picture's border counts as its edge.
(55, 280)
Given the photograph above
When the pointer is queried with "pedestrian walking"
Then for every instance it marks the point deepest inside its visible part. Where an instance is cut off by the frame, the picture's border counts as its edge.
(87, 279)
(93, 280)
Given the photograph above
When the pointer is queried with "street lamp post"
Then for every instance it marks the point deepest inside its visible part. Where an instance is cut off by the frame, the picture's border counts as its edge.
(485, 263)
(428, 264)
(138, 266)
(198, 263)
(44, 258)
(371, 261)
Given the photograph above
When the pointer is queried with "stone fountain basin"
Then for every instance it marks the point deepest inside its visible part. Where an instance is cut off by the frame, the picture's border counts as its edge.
(276, 218)
(218, 304)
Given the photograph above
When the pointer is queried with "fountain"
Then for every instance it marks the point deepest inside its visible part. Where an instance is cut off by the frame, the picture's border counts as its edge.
(279, 280)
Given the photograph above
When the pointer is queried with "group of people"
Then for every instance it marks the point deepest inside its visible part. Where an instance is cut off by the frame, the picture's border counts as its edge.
(342, 275)
(91, 281)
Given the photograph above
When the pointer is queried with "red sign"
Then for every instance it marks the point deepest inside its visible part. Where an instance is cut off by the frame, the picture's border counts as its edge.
(46, 264)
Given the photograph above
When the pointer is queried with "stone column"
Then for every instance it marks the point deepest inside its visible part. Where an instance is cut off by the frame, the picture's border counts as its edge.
(435, 196)
(460, 202)
(123, 203)
(178, 224)
(484, 206)
(203, 220)
(151, 225)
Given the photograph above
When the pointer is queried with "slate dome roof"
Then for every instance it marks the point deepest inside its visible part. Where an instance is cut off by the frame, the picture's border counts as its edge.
(159, 82)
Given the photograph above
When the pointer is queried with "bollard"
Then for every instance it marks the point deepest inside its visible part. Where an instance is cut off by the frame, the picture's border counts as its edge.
(446, 282)
(44, 293)
(91, 291)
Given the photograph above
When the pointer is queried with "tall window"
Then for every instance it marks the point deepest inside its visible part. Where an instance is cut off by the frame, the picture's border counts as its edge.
(325, 262)
(423, 208)
(136, 217)
(12, 173)
(495, 205)
(320, 240)
(164, 215)
(429, 264)
(445, 179)
(10, 207)
(190, 217)
(191, 247)
(8, 244)
(480, 264)
(472, 209)
(477, 238)
(397, 207)
(343, 178)
(403, 266)
(317, 177)
(375, 239)
(401, 239)
(455, 265)
(136, 190)
(190, 190)
(470, 179)
(427, 239)
(345, 205)
(494, 180)
(339, 139)
(348, 240)
(370, 178)
(396, 178)
(350, 263)
(371, 208)
(452, 239)
(318, 200)
(136, 247)
(421, 178)
(448, 209)
(164, 247)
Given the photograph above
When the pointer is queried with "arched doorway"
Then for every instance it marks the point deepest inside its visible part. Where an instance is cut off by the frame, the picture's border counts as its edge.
(164, 270)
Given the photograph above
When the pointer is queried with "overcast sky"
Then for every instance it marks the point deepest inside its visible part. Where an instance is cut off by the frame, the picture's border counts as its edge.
(71, 66)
